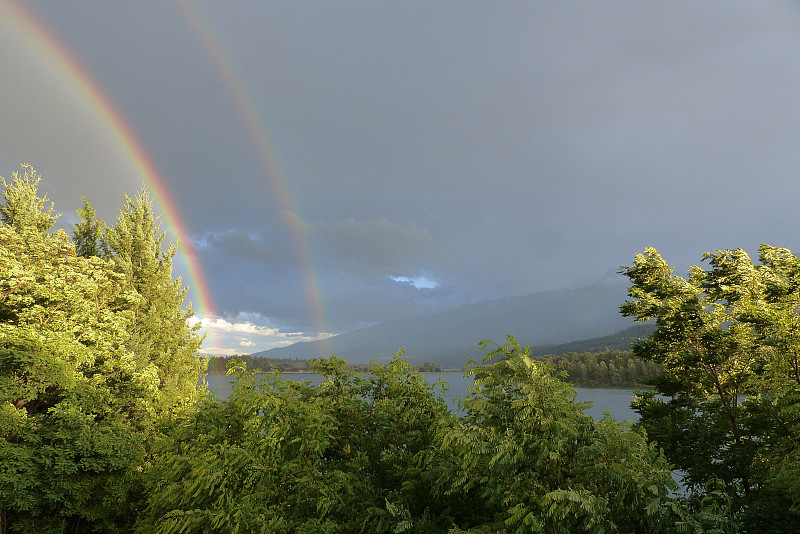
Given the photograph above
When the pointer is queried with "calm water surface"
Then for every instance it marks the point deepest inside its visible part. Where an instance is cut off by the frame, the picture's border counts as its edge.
(614, 401)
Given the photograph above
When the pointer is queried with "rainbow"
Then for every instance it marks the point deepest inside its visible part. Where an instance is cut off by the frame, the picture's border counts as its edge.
(259, 135)
(30, 28)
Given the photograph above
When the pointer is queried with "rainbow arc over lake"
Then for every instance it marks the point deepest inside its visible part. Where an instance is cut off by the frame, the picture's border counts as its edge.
(258, 133)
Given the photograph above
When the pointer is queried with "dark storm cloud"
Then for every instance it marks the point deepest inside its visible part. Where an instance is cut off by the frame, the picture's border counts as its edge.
(377, 247)
(238, 245)
(496, 149)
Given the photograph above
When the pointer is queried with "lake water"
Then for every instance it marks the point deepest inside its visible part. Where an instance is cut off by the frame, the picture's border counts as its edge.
(614, 401)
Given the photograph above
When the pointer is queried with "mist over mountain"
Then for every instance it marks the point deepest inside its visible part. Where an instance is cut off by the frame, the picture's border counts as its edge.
(450, 338)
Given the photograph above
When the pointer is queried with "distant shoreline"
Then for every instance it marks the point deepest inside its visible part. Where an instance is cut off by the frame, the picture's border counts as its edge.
(223, 373)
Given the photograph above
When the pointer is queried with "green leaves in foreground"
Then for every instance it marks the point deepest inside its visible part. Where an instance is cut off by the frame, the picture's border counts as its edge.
(381, 453)
(725, 408)
(284, 456)
(529, 459)
(103, 428)
(73, 398)
(94, 351)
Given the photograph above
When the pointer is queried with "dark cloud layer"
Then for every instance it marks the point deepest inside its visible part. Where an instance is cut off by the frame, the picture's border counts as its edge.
(494, 150)
(374, 247)
(238, 246)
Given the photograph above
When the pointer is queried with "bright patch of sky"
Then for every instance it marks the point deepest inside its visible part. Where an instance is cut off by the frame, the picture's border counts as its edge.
(241, 333)
(419, 282)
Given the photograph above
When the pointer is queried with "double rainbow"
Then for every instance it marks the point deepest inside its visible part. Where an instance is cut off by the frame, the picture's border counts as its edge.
(258, 132)
(51, 50)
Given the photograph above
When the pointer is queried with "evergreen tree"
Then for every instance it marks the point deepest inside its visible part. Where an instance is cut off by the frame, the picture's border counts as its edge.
(22, 208)
(92, 350)
(161, 329)
(73, 399)
(88, 234)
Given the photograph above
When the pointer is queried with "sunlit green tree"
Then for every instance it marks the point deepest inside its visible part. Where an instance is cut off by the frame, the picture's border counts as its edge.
(725, 407)
(88, 234)
(80, 398)
(23, 209)
(528, 459)
(161, 330)
(73, 398)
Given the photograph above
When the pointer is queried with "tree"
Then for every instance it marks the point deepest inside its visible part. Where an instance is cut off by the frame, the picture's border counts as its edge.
(88, 234)
(430, 367)
(161, 330)
(81, 390)
(280, 456)
(72, 398)
(22, 208)
(526, 458)
(724, 408)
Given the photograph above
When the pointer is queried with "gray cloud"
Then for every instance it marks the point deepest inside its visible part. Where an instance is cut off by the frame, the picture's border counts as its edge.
(375, 247)
(239, 245)
(498, 149)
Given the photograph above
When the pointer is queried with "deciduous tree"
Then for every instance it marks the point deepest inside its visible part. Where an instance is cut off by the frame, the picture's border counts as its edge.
(724, 408)
(528, 459)
(281, 456)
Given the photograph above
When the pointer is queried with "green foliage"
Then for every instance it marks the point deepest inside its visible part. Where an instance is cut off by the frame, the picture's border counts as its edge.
(611, 368)
(88, 234)
(103, 428)
(161, 329)
(72, 397)
(22, 209)
(526, 458)
(725, 407)
(79, 395)
(285, 456)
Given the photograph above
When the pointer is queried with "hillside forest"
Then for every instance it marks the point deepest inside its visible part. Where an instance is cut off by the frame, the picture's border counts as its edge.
(105, 425)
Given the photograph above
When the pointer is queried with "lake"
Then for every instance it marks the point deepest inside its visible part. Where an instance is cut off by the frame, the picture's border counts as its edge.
(614, 401)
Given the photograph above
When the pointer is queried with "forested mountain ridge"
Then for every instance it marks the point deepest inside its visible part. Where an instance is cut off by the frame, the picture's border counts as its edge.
(620, 341)
(451, 338)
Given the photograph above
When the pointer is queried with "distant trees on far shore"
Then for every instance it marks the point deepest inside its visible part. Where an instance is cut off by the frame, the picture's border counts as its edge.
(219, 365)
(610, 368)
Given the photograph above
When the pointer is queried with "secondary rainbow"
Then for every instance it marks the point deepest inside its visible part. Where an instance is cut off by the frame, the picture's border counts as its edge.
(32, 30)
(258, 134)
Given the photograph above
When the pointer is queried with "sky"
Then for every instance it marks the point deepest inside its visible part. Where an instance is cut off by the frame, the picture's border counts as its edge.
(330, 165)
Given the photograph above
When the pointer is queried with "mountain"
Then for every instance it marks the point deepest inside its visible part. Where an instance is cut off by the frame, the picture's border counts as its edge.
(450, 338)
(618, 341)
